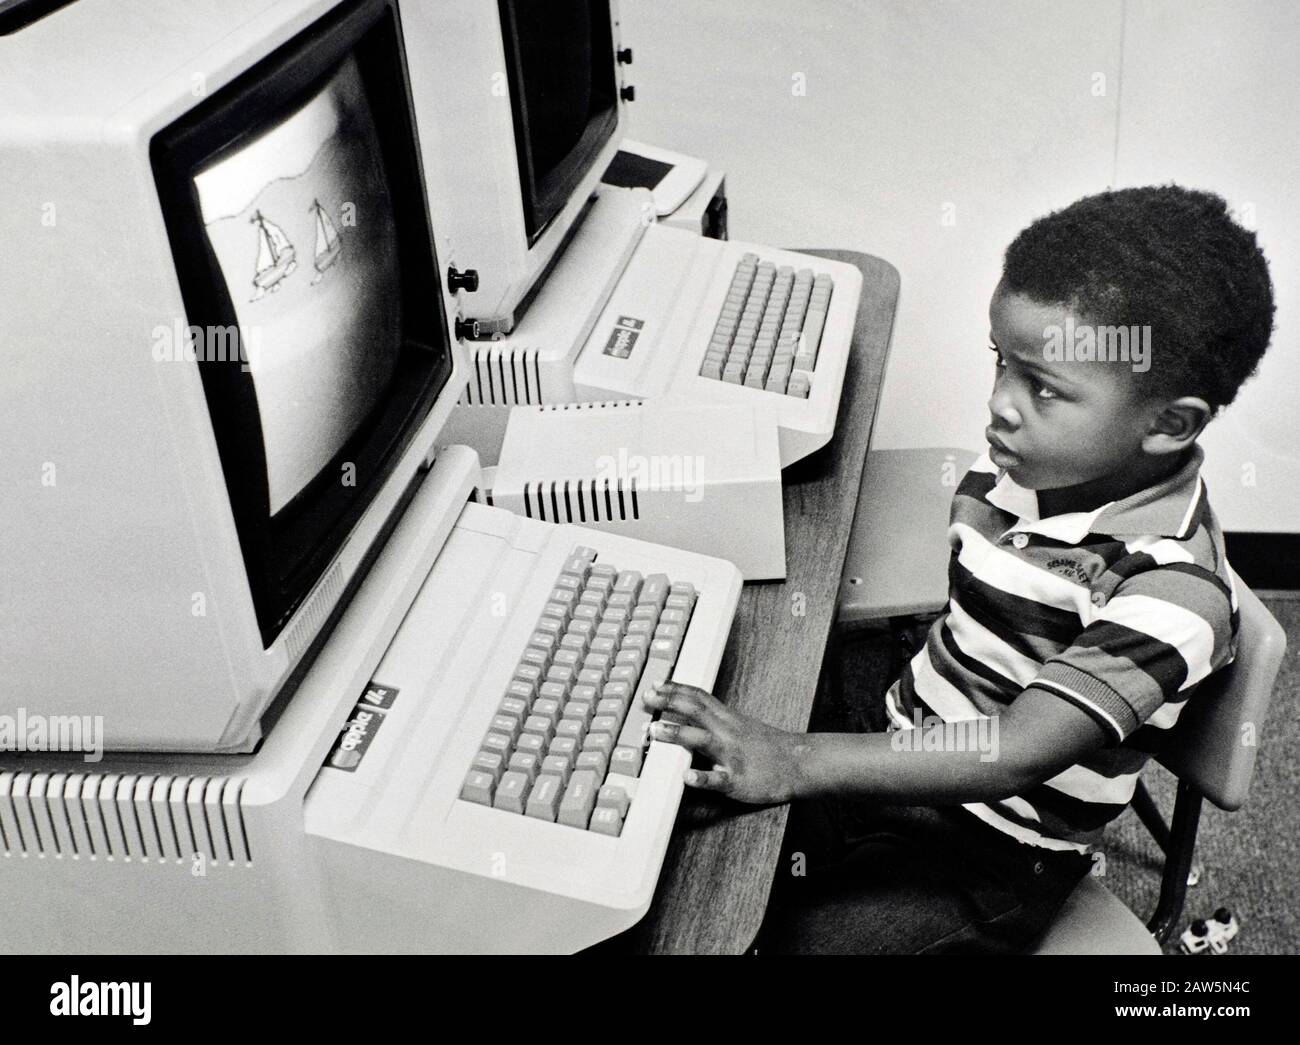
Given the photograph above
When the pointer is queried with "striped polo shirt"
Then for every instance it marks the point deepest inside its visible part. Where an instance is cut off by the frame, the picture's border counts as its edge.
(1121, 611)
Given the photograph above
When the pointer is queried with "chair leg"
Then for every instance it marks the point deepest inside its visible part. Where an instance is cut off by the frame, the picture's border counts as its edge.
(1178, 861)
(1145, 807)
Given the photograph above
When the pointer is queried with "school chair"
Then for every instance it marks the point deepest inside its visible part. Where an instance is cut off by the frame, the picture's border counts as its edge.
(896, 568)
(1211, 750)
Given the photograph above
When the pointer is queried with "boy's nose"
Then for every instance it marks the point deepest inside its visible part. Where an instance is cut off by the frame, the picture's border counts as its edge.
(1003, 412)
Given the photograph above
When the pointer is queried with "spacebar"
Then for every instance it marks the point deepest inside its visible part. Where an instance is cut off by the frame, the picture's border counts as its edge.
(637, 723)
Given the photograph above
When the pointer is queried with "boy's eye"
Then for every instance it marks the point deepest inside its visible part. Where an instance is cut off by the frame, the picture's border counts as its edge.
(1045, 393)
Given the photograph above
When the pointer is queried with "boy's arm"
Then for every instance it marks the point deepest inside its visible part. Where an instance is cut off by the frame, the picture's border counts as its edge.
(1038, 736)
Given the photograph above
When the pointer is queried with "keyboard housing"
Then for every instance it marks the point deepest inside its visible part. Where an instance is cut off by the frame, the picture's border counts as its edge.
(645, 332)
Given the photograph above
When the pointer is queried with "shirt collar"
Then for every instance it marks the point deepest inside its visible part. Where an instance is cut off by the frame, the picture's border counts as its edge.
(1170, 508)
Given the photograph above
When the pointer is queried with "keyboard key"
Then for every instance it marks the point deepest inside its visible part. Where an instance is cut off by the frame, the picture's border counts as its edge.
(533, 743)
(579, 799)
(568, 658)
(665, 648)
(628, 673)
(542, 640)
(507, 724)
(800, 383)
(541, 725)
(557, 765)
(515, 707)
(552, 690)
(606, 821)
(544, 799)
(580, 711)
(601, 742)
(633, 655)
(594, 761)
(676, 632)
(592, 597)
(583, 626)
(478, 787)
(604, 724)
(525, 762)
(500, 742)
(526, 672)
(490, 762)
(612, 796)
(612, 707)
(566, 746)
(511, 793)
(628, 581)
(617, 689)
(565, 673)
(626, 760)
(572, 727)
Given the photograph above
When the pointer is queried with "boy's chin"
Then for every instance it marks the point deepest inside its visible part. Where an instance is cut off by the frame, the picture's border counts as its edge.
(1029, 478)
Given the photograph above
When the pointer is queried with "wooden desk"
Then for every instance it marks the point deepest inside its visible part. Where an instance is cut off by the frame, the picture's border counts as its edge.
(722, 858)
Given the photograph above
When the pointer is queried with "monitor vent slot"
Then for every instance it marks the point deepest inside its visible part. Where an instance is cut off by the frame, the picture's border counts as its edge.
(482, 495)
(503, 377)
(582, 500)
(110, 816)
(314, 612)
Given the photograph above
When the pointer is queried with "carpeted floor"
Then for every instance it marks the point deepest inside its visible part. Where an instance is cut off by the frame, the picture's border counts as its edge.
(1250, 859)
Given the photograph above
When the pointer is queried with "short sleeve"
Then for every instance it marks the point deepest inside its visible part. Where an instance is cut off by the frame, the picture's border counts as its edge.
(1160, 633)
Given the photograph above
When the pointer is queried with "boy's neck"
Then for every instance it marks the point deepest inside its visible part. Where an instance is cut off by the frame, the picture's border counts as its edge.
(1086, 497)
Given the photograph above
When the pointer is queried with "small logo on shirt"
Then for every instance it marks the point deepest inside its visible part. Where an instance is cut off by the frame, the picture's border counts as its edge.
(1069, 568)
(622, 339)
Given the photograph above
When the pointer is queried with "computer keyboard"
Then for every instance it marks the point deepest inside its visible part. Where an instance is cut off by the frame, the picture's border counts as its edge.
(568, 739)
(769, 328)
(450, 861)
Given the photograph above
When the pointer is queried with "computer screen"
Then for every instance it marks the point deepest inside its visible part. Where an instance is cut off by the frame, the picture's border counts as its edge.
(315, 291)
(297, 216)
(562, 86)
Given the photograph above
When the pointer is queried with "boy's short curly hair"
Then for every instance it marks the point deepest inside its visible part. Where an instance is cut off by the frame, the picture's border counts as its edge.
(1164, 256)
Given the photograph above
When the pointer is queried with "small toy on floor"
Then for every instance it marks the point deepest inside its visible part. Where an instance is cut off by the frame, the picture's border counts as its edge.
(1212, 936)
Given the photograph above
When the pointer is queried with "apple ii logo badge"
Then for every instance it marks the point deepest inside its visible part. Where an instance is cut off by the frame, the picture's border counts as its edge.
(623, 337)
(361, 727)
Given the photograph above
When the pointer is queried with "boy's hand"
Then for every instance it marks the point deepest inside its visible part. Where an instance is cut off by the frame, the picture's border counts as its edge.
(753, 762)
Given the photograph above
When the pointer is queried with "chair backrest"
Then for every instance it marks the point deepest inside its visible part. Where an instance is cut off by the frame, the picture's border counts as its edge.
(1214, 742)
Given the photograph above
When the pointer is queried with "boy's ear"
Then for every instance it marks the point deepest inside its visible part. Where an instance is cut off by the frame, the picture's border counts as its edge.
(1176, 425)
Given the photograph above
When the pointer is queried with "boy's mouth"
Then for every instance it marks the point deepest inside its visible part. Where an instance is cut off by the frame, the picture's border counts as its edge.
(999, 453)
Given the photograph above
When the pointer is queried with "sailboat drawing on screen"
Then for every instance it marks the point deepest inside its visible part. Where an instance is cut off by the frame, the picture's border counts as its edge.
(275, 255)
(328, 244)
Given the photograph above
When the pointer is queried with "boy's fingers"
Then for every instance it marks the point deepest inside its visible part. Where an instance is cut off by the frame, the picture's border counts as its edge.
(709, 780)
(686, 702)
(693, 738)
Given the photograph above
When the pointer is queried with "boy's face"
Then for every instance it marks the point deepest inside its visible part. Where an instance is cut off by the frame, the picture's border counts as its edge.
(1057, 423)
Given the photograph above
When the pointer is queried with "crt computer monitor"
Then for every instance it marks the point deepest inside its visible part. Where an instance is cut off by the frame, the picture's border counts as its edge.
(519, 106)
(229, 364)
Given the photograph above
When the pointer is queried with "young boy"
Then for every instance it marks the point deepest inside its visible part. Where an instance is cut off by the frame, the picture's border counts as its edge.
(1089, 595)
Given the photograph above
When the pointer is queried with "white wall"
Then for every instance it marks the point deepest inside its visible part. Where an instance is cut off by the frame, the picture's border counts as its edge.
(1210, 99)
(1003, 110)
